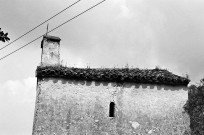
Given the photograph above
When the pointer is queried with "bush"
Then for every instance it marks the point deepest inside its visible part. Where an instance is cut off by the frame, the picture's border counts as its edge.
(195, 108)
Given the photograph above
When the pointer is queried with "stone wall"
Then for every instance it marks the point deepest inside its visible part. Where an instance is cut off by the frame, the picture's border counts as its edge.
(69, 107)
(50, 52)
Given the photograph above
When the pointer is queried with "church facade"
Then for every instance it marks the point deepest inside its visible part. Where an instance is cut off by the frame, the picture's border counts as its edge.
(117, 101)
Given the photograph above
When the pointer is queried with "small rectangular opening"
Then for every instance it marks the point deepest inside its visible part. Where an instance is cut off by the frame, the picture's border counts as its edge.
(112, 109)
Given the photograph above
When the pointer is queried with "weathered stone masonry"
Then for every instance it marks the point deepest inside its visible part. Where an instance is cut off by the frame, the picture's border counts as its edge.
(82, 107)
(68, 105)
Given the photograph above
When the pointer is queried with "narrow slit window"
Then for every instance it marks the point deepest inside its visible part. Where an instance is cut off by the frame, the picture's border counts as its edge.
(112, 109)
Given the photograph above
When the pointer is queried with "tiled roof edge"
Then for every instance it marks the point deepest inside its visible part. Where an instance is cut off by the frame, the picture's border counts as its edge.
(151, 76)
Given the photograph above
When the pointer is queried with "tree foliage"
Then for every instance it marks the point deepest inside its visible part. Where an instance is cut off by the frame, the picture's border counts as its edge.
(195, 108)
(4, 36)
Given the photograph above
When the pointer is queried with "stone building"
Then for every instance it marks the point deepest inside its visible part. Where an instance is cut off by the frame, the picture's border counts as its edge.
(117, 101)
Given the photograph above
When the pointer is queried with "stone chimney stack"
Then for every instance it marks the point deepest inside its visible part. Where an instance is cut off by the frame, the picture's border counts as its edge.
(50, 51)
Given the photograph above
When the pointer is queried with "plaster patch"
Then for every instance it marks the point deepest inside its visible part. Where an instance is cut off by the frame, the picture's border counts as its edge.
(134, 124)
(150, 131)
(96, 120)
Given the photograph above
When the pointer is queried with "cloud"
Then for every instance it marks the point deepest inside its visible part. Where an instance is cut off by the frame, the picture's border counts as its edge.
(142, 33)
(17, 100)
(123, 7)
(166, 33)
(19, 90)
(178, 29)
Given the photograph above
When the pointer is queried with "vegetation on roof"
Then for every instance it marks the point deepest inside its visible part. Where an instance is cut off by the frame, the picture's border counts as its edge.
(136, 75)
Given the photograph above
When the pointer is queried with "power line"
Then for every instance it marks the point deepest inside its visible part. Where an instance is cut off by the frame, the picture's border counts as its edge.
(53, 29)
(40, 24)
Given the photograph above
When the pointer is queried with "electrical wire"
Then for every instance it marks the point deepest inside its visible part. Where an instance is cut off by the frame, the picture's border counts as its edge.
(53, 29)
(40, 24)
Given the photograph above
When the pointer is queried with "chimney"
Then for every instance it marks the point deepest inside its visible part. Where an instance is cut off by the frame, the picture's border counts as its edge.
(50, 51)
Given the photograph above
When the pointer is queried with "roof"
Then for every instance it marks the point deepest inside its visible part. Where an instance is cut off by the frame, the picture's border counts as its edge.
(136, 75)
(54, 38)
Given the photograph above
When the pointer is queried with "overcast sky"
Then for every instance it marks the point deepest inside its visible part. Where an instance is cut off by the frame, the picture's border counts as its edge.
(140, 33)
